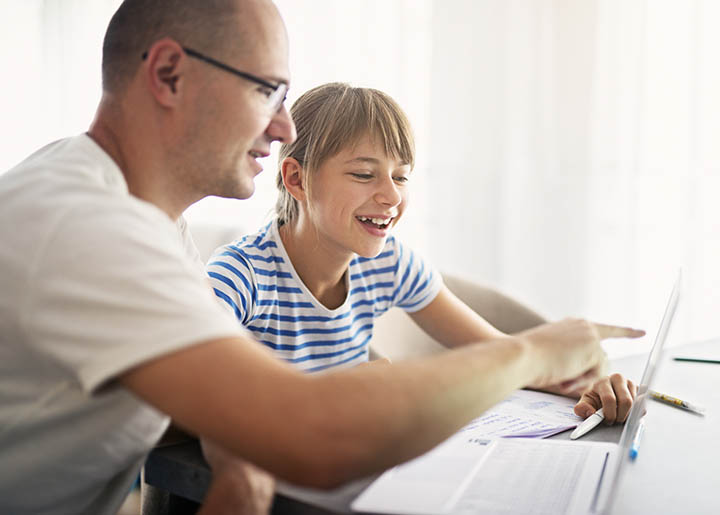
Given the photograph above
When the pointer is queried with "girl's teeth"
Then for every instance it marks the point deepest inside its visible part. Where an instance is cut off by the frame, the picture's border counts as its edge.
(377, 221)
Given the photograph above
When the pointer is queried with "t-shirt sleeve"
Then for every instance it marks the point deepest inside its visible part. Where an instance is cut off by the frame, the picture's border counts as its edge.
(113, 288)
(232, 279)
(417, 283)
(188, 243)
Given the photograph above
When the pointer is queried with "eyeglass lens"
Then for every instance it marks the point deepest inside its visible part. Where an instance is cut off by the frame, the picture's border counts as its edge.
(277, 97)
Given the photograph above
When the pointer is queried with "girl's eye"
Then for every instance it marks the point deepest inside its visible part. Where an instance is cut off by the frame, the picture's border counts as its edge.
(362, 176)
(401, 179)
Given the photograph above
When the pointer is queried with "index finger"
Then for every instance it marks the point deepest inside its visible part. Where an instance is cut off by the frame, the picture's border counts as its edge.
(616, 331)
(588, 404)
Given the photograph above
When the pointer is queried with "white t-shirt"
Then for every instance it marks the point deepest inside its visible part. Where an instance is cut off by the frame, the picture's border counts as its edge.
(93, 281)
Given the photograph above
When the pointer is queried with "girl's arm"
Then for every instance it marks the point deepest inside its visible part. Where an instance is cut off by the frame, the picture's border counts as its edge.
(453, 323)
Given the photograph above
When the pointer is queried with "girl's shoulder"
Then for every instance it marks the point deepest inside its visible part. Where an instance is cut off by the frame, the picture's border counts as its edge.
(260, 241)
(247, 253)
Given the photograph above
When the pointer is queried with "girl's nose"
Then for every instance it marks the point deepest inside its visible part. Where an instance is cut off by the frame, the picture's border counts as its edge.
(388, 193)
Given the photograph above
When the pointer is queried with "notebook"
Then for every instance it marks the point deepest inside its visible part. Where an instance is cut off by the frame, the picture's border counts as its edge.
(516, 476)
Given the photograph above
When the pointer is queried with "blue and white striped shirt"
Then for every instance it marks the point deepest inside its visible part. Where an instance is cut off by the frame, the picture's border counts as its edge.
(256, 280)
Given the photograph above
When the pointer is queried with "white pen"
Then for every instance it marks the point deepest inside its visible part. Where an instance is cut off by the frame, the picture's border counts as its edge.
(589, 423)
(635, 445)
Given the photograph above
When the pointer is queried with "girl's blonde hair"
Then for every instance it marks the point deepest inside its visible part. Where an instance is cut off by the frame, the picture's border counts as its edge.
(332, 117)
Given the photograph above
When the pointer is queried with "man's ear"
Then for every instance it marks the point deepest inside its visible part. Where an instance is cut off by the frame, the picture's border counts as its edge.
(293, 176)
(164, 68)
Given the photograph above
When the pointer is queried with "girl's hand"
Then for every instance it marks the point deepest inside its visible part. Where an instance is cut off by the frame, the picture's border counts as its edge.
(614, 394)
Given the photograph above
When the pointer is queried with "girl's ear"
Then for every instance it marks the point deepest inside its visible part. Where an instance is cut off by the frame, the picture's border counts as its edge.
(293, 176)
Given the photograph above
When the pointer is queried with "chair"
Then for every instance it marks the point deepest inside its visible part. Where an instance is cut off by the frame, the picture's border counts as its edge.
(397, 337)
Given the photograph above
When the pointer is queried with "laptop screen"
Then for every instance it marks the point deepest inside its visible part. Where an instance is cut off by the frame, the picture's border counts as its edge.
(638, 409)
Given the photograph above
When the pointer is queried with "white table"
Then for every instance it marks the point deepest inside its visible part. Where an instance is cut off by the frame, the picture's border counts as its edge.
(678, 468)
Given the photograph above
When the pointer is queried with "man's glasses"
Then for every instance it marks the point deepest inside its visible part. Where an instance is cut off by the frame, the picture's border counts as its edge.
(275, 93)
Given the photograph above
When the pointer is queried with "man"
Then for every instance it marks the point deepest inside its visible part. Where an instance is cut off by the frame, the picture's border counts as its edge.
(107, 327)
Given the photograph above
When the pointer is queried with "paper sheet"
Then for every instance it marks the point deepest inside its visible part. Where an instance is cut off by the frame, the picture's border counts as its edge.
(525, 414)
(434, 482)
(552, 479)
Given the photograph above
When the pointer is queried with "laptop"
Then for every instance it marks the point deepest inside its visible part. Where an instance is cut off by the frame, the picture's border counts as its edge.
(516, 476)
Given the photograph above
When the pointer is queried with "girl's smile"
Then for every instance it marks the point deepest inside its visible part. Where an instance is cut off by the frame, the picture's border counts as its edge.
(376, 225)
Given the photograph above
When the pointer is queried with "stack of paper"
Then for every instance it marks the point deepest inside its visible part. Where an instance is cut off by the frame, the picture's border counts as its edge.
(525, 414)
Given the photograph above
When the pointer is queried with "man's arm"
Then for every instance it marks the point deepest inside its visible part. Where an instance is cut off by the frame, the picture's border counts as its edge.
(451, 322)
(322, 430)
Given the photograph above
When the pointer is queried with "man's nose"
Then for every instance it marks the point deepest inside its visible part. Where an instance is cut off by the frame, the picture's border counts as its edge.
(282, 127)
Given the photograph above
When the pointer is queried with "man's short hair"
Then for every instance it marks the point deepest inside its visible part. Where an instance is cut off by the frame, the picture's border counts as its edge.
(205, 25)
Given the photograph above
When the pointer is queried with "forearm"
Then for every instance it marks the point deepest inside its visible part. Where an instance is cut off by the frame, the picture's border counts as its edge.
(362, 421)
(323, 430)
(369, 419)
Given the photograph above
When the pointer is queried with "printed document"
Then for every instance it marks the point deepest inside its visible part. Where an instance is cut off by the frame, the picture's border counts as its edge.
(525, 414)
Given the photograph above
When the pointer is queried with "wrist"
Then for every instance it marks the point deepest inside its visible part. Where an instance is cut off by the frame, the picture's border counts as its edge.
(530, 360)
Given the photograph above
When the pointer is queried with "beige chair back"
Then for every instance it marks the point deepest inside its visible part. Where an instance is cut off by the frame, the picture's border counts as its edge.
(397, 337)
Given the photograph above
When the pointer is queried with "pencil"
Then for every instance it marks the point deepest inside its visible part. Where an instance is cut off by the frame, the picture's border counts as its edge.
(674, 401)
(697, 360)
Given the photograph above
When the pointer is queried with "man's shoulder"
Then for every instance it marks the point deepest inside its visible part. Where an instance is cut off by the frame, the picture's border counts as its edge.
(74, 158)
(72, 182)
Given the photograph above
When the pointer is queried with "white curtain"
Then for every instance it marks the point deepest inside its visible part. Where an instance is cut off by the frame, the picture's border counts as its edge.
(50, 53)
(578, 143)
(567, 151)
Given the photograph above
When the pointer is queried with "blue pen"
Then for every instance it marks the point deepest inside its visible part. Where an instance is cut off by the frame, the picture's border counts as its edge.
(636, 441)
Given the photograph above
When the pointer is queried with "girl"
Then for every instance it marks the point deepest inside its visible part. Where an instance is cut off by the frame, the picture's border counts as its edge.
(310, 284)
